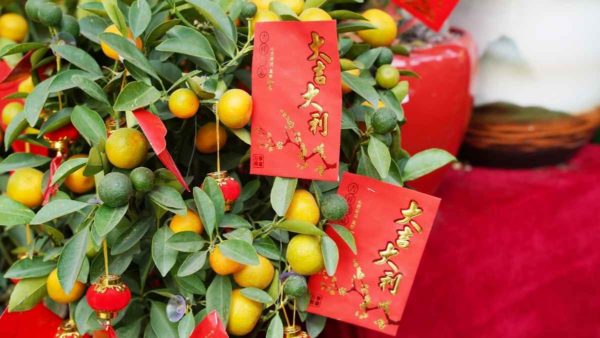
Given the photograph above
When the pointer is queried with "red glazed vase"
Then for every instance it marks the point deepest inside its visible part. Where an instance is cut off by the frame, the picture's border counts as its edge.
(440, 101)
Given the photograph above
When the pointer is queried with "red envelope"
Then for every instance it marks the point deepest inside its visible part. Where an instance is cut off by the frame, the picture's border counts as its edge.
(210, 327)
(391, 226)
(433, 13)
(297, 95)
(155, 130)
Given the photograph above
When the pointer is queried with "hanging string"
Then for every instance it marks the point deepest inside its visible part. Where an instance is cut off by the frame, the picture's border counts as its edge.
(218, 144)
(294, 314)
(105, 252)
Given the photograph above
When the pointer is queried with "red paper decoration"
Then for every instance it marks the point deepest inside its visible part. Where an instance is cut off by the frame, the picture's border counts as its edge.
(433, 13)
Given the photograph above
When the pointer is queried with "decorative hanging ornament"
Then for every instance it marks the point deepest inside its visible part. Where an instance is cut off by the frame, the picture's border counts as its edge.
(230, 187)
(294, 331)
(107, 297)
(59, 140)
(67, 329)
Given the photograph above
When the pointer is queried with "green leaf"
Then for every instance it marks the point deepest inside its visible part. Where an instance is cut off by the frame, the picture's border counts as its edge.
(331, 255)
(67, 168)
(27, 294)
(22, 160)
(425, 162)
(234, 221)
(224, 27)
(212, 189)
(218, 297)
(390, 100)
(136, 95)
(14, 129)
(380, 156)
(169, 199)
(107, 218)
(241, 234)
(206, 210)
(161, 325)
(186, 325)
(91, 26)
(283, 10)
(132, 236)
(362, 87)
(89, 124)
(257, 295)
(315, 325)
(64, 80)
(15, 48)
(13, 212)
(140, 14)
(314, 3)
(275, 329)
(355, 26)
(300, 227)
(55, 209)
(282, 193)
(266, 247)
(30, 268)
(346, 235)
(91, 88)
(116, 16)
(35, 101)
(164, 257)
(56, 121)
(178, 41)
(77, 57)
(243, 134)
(239, 251)
(192, 264)
(343, 14)
(71, 259)
(186, 241)
(159, 31)
(128, 51)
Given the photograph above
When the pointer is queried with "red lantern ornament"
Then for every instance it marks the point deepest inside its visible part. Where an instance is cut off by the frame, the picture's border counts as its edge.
(230, 187)
(107, 297)
(68, 329)
(59, 140)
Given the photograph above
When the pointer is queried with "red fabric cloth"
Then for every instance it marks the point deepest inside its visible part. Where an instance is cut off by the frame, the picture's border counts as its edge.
(513, 253)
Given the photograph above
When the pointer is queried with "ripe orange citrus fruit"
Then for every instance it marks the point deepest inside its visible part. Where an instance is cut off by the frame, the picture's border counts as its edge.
(58, 294)
(13, 27)
(384, 33)
(244, 314)
(304, 254)
(263, 15)
(235, 108)
(111, 53)
(26, 86)
(184, 103)
(221, 264)
(256, 276)
(206, 138)
(77, 182)
(25, 186)
(10, 111)
(188, 222)
(303, 207)
(314, 14)
(126, 148)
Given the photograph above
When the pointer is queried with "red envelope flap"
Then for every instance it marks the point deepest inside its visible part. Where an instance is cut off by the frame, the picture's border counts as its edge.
(156, 132)
(391, 226)
(37, 322)
(433, 13)
(297, 100)
(210, 327)
(20, 71)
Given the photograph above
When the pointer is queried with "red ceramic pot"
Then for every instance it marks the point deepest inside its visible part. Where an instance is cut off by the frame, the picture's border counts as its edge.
(440, 102)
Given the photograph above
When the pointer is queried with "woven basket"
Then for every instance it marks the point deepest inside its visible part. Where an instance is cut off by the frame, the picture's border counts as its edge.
(505, 135)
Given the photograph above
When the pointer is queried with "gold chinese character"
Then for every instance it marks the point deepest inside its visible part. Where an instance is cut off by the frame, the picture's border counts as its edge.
(311, 93)
(390, 281)
(413, 211)
(315, 45)
(385, 256)
(318, 123)
(404, 235)
(319, 71)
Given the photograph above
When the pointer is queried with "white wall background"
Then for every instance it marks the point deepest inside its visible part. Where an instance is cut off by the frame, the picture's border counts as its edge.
(536, 52)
